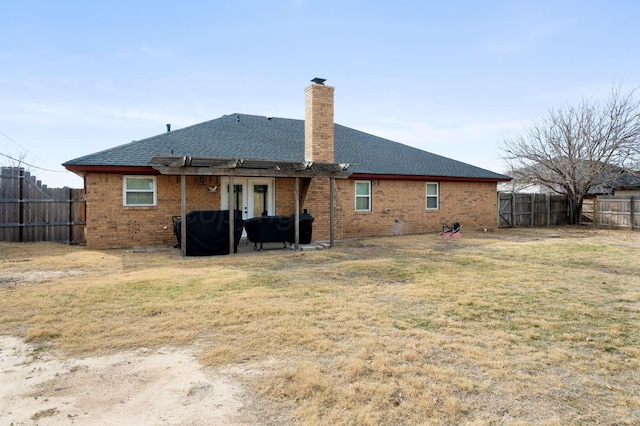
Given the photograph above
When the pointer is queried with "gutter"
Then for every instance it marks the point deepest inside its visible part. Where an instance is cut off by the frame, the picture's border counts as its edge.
(372, 176)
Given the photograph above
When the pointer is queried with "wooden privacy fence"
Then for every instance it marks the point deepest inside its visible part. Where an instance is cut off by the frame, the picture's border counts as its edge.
(523, 209)
(30, 212)
(610, 211)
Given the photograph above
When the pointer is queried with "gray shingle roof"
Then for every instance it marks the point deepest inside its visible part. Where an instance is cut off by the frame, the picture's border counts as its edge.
(626, 180)
(259, 137)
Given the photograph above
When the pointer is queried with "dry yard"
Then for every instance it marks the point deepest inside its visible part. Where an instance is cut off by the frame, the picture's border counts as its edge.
(519, 326)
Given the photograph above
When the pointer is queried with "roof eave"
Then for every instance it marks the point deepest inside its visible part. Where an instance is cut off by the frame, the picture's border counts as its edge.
(426, 178)
(80, 169)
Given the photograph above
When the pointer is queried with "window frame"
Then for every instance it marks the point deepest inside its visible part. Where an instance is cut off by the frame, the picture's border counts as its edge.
(126, 191)
(431, 196)
(368, 196)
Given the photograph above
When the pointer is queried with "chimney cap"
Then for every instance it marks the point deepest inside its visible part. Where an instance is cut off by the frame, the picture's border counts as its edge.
(319, 80)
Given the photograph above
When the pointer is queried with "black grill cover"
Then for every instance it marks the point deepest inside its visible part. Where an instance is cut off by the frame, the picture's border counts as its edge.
(208, 232)
(306, 227)
(278, 229)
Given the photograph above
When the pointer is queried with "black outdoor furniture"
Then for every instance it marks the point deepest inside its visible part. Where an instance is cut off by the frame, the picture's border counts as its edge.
(278, 229)
(208, 232)
(452, 231)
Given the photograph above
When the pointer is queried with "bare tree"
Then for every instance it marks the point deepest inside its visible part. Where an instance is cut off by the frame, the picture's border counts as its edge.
(576, 147)
(16, 160)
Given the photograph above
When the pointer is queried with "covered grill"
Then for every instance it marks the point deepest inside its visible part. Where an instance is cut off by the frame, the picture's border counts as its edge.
(208, 232)
(278, 229)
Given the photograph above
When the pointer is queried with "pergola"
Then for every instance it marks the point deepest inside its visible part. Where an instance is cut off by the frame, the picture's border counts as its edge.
(229, 167)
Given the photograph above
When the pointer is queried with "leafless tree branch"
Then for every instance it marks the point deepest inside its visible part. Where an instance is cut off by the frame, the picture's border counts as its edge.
(575, 147)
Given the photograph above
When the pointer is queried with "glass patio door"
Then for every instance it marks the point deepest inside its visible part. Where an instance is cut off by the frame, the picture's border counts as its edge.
(252, 196)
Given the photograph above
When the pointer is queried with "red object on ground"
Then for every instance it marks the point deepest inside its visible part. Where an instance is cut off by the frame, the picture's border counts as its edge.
(451, 235)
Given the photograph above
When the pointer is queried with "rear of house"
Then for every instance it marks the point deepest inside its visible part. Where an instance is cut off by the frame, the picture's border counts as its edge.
(378, 186)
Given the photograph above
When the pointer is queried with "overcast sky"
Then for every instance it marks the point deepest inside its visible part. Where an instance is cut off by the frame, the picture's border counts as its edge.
(451, 77)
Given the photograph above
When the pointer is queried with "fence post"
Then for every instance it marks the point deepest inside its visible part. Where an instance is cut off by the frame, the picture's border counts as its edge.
(21, 205)
(70, 196)
(513, 209)
(533, 209)
(547, 204)
(499, 209)
(632, 212)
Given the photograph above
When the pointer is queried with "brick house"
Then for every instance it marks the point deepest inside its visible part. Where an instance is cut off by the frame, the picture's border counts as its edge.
(624, 183)
(353, 183)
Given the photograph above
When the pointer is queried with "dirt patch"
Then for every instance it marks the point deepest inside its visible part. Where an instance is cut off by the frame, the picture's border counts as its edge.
(11, 279)
(165, 386)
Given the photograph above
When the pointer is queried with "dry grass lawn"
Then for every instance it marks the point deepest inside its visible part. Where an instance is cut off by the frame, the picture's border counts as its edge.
(520, 326)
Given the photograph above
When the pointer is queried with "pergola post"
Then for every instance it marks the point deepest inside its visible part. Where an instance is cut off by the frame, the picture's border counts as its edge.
(183, 215)
(296, 220)
(232, 214)
(332, 182)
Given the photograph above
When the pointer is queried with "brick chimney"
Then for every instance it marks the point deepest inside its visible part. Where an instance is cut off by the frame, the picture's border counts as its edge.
(318, 122)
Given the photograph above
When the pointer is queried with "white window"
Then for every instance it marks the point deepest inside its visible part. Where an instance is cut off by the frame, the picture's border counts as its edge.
(139, 191)
(432, 196)
(363, 196)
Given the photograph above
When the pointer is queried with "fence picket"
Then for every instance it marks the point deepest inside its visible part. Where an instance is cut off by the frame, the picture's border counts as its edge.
(614, 211)
(30, 211)
(530, 209)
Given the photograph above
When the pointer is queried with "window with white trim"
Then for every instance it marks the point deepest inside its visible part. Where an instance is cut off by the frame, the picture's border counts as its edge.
(432, 196)
(363, 196)
(138, 191)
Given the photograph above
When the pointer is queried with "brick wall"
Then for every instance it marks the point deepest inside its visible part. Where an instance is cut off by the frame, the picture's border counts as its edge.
(285, 202)
(472, 204)
(110, 225)
(316, 202)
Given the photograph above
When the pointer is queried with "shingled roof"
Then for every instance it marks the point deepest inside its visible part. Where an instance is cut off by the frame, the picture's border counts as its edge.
(271, 138)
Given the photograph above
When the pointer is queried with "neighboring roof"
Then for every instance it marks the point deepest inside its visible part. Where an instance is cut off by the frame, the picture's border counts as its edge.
(624, 181)
(271, 138)
(627, 181)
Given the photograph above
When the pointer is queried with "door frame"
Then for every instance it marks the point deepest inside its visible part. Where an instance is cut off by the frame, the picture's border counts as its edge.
(247, 194)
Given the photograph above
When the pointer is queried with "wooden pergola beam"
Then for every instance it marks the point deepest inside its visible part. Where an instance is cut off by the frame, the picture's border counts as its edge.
(213, 166)
(246, 172)
(203, 166)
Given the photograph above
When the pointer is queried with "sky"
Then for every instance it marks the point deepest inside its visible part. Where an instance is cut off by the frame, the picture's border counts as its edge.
(454, 78)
